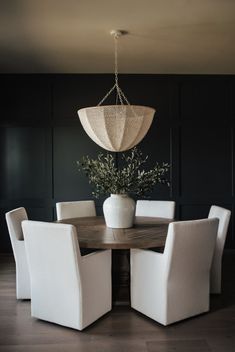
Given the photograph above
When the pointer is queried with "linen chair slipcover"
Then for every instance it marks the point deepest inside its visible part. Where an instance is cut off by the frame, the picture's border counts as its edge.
(158, 208)
(76, 209)
(174, 285)
(66, 288)
(224, 216)
(14, 219)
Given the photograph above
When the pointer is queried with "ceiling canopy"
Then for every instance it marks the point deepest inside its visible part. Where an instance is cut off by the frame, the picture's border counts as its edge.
(73, 36)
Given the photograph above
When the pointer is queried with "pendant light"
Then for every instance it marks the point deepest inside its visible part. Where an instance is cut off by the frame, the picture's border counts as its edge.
(116, 127)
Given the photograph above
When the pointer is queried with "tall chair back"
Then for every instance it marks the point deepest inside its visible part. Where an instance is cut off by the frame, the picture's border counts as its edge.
(216, 270)
(14, 219)
(155, 208)
(76, 209)
(64, 285)
(176, 283)
(189, 250)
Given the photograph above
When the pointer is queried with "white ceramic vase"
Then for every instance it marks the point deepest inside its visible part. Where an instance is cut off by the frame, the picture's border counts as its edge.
(119, 211)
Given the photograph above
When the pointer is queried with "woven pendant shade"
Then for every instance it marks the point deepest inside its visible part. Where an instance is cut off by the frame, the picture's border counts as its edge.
(116, 127)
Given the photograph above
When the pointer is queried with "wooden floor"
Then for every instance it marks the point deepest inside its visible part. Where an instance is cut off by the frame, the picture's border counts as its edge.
(123, 329)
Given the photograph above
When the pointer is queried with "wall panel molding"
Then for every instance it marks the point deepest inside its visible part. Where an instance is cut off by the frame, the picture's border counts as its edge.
(41, 139)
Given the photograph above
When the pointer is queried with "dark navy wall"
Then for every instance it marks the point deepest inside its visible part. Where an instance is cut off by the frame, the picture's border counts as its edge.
(41, 138)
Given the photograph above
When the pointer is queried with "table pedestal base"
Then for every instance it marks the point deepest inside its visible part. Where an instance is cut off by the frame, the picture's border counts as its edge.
(121, 276)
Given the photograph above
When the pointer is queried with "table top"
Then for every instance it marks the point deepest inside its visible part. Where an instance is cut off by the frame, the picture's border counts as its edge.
(147, 232)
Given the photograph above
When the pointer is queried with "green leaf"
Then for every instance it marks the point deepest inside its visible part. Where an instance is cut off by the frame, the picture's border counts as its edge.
(105, 178)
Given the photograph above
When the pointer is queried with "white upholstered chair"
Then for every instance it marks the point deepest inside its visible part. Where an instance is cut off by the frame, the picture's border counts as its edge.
(66, 288)
(224, 216)
(174, 285)
(76, 209)
(158, 208)
(14, 219)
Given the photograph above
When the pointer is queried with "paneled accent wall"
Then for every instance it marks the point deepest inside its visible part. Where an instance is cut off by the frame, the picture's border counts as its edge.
(41, 138)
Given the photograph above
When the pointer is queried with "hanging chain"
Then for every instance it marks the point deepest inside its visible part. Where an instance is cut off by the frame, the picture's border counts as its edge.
(119, 96)
(106, 95)
(119, 93)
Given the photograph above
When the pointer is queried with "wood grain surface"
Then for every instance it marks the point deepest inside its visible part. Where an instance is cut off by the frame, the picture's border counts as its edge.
(147, 232)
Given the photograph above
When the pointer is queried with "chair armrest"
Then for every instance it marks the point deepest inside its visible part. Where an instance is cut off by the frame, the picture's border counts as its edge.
(145, 262)
(96, 285)
(96, 269)
(143, 255)
(94, 256)
(92, 253)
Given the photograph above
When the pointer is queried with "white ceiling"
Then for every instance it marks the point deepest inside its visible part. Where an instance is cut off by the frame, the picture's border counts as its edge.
(72, 36)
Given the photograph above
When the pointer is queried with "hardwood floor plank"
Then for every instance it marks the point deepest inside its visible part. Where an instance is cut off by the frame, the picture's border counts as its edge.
(178, 346)
(121, 330)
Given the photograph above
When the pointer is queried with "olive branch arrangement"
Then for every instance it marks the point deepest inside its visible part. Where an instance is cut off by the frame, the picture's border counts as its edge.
(106, 178)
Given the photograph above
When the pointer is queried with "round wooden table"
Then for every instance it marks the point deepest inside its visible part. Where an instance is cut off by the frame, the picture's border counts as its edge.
(147, 232)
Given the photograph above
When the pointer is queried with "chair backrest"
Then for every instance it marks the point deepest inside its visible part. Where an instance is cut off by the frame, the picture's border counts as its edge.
(189, 249)
(155, 208)
(54, 259)
(76, 209)
(14, 219)
(224, 216)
